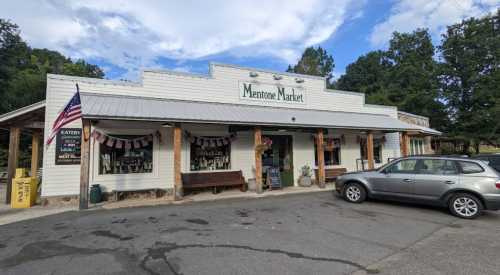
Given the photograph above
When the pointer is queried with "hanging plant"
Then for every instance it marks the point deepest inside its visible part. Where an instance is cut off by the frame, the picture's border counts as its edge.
(265, 145)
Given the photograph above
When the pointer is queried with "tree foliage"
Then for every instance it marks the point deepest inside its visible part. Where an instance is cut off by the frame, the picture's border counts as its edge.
(402, 76)
(314, 61)
(470, 78)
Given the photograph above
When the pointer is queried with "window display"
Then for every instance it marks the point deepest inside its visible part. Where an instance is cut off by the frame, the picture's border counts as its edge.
(210, 155)
(134, 156)
(377, 149)
(331, 151)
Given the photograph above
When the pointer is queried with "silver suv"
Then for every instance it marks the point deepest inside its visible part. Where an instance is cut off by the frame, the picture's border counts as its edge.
(465, 186)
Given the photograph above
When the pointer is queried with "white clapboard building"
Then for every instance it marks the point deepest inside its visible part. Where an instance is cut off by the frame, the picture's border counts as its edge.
(152, 133)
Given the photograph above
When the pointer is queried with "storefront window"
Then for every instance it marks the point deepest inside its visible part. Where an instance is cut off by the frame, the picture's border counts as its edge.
(377, 150)
(416, 146)
(331, 151)
(213, 156)
(125, 160)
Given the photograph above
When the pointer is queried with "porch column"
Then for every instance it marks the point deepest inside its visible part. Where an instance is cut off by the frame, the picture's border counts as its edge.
(321, 158)
(369, 150)
(258, 159)
(404, 144)
(13, 159)
(85, 165)
(35, 143)
(178, 190)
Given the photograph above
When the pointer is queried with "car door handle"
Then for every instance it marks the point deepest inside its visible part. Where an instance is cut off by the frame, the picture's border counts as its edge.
(407, 180)
(449, 182)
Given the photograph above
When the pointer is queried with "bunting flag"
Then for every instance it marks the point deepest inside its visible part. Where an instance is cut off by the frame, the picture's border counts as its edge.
(120, 143)
(209, 141)
(128, 145)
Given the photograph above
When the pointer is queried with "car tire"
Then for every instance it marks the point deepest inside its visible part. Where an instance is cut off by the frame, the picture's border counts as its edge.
(465, 206)
(354, 192)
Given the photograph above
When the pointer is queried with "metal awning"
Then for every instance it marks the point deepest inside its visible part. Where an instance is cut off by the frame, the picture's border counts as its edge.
(119, 107)
(427, 131)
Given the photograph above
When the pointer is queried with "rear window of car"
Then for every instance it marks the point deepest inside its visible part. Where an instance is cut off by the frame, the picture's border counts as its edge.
(470, 167)
(437, 167)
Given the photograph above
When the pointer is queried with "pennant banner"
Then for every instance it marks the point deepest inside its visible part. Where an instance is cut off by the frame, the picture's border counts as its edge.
(209, 141)
(120, 143)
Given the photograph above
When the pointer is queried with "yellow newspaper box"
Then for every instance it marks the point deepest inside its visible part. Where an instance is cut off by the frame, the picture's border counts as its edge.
(24, 190)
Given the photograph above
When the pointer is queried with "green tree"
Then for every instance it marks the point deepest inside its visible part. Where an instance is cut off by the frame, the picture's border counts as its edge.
(366, 75)
(404, 76)
(314, 61)
(14, 55)
(412, 81)
(470, 78)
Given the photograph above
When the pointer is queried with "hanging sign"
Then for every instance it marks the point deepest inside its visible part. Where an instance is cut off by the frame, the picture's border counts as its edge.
(272, 93)
(68, 146)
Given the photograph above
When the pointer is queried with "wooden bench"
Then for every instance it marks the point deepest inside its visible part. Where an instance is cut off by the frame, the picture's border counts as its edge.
(118, 193)
(331, 174)
(213, 179)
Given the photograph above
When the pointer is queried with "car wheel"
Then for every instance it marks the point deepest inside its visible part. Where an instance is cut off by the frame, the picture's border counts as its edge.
(354, 192)
(465, 206)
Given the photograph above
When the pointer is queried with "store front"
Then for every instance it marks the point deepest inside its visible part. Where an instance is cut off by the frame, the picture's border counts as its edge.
(175, 131)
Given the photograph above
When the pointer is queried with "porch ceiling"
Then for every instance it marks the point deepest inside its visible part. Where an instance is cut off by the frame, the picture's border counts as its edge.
(100, 106)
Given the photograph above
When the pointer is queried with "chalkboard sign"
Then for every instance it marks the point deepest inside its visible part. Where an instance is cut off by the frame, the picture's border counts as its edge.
(68, 145)
(274, 178)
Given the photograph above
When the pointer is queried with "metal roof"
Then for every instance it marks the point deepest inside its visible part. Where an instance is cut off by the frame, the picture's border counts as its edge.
(427, 130)
(21, 111)
(101, 106)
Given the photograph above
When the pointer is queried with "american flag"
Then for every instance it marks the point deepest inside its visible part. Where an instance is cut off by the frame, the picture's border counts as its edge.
(71, 112)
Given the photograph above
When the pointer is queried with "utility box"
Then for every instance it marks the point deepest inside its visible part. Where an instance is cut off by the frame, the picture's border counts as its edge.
(24, 190)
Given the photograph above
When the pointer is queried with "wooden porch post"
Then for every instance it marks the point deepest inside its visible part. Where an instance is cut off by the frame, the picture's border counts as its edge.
(178, 190)
(404, 144)
(13, 159)
(85, 165)
(35, 145)
(258, 159)
(369, 150)
(321, 158)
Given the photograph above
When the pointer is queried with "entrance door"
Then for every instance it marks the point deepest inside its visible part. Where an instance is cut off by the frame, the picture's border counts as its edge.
(280, 155)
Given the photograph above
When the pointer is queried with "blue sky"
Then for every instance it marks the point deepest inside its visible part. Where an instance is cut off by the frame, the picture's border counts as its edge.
(124, 36)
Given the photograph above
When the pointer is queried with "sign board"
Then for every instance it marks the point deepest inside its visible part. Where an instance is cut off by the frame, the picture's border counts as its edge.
(274, 178)
(272, 93)
(68, 145)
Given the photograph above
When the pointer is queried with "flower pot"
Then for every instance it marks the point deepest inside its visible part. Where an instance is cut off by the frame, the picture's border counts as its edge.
(305, 181)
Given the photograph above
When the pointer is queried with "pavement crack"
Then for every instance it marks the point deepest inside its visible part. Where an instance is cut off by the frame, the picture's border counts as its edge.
(163, 248)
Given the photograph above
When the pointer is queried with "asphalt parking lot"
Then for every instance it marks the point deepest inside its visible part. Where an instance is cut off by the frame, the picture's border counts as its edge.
(300, 234)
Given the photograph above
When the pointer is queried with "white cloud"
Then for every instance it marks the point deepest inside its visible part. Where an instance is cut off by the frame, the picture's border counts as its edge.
(133, 34)
(408, 15)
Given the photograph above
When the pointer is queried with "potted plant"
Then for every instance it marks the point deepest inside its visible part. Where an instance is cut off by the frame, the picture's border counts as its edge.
(305, 176)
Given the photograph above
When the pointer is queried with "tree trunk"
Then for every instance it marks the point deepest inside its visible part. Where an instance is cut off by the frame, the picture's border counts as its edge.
(465, 148)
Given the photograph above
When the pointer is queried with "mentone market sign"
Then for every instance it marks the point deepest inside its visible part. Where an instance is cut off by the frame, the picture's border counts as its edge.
(272, 93)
